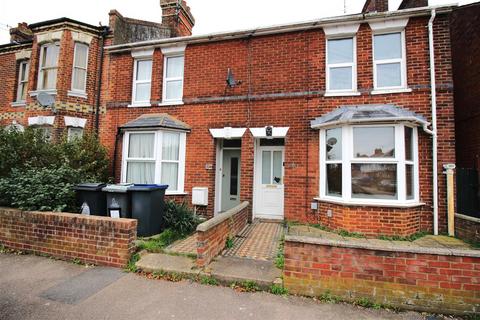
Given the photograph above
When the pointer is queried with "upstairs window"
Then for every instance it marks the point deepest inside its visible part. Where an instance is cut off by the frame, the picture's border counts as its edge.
(79, 73)
(341, 65)
(142, 82)
(22, 86)
(48, 67)
(389, 61)
(173, 78)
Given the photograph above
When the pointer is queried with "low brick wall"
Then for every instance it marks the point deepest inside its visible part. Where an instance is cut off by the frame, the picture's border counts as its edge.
(436, 280)
(467, 228)
(97, 240)
(213, 234)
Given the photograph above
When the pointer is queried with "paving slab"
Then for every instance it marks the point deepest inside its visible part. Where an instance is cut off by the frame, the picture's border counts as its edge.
(233, 269)
(152, 262)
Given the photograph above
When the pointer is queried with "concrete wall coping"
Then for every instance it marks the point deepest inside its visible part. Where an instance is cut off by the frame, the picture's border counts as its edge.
(407, 248)
(209, 224)
(464, 217)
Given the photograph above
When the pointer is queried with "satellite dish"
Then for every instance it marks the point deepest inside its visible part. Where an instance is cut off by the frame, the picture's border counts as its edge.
(45, 99)
(231, 82)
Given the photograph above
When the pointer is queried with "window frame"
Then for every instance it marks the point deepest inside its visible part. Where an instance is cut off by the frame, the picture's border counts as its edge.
(157, 157)
(352, 64)
(22, 82)
(402, 60)
(70, 137)
(145, 103)
(166, 80)
(41, 69)
(348, 159)
(75, 67)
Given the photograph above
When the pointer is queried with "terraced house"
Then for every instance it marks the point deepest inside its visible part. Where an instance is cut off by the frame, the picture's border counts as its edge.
(344, 121)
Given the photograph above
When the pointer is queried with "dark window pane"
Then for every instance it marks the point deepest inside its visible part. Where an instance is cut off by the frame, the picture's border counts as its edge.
(333, 139)
(374, 142)
(334, 180)
(409, 181)
(374, 181)
(234, 176)
(277, 142)
(408, 143)
(234, 143)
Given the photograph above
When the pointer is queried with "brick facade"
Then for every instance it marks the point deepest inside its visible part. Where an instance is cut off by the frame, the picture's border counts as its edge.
(282, 85)
(97, 240)
(467, 228)
(421, 281)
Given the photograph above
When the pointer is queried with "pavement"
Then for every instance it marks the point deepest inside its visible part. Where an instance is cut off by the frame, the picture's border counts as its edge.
(39, 288)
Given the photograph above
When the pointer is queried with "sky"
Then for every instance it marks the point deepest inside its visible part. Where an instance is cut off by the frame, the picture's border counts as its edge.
(210, 15)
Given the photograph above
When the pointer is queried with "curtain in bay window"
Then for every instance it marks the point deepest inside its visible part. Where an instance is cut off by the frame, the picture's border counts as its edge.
(141, 146)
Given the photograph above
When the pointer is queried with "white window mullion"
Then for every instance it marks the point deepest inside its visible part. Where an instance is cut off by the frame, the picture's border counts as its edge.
(347, 155)
(158, 153)
(416, 174)
(400, 156)
(322, 163)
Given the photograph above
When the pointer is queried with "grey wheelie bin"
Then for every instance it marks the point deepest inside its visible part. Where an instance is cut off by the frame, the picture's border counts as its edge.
(118, 200)
(91, 198)
(148, 207)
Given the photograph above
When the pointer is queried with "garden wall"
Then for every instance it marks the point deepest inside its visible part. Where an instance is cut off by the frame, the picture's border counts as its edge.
(98, 240)
(213, 234)
(426, 279)
(467, 228)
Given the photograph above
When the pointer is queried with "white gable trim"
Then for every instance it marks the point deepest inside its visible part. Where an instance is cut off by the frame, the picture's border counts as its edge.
(277, 132)
(341, 30)
(388, 25)
(75, 122)
(41, 121)
(228, 133)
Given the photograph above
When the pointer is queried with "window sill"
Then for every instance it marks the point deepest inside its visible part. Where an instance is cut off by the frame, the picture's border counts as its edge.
(389, 91)
(77, 94)
(50, 91)
(170, 103)
(139, 105)
(342, 94)
(371, 204)
(19, 104)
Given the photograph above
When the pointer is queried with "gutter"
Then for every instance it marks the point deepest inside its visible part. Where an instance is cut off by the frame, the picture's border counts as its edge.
(284, 28)
(434, 121)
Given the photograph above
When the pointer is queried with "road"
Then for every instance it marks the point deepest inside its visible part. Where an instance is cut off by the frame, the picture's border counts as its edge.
(39, 288)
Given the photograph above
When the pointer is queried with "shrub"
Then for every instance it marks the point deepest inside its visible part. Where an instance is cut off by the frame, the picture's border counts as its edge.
(180, 218)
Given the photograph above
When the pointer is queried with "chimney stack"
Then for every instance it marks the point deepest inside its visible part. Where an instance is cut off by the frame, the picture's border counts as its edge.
(21, 33)
(408, 4)
(375, 6)
(177, 16)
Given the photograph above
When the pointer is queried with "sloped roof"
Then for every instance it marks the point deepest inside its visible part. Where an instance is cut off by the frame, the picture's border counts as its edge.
(367, 114)
(156, 120)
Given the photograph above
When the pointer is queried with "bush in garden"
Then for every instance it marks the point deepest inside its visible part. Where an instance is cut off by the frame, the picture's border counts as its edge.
(180, 218)
(36, 174)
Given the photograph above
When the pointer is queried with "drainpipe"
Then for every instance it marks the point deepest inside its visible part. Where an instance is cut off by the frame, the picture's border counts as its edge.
(99, 81)
(434, 122)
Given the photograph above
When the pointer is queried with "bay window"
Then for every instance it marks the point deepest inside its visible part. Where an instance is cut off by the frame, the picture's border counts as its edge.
(155, 157)
(48, 67)
(369, 164)
(341, 65)
(389, 61)
(79, 73)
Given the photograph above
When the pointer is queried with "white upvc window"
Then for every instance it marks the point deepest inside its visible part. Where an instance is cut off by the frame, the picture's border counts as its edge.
(155, 157)
(369, 164)
(173, 72)
(341, 70)
(142, 81)
(80, 64)
(389, 61)
(22, 86)
(48, 67)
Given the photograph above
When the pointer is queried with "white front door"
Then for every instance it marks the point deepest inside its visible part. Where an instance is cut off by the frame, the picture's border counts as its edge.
(230, 179)
(269, 184)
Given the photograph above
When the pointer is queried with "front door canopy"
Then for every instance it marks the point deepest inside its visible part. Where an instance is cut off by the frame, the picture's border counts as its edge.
(227, 133)
(379, 113)
(276, 132)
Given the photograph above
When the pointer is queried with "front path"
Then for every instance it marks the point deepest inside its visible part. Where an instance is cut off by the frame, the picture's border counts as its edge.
(32, 288)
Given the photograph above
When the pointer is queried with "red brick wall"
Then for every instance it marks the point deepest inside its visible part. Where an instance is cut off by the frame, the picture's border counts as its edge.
(285, 76)
(465, 52)
(213, 234)
(467, 228)
(420, 281)
(97, 240)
